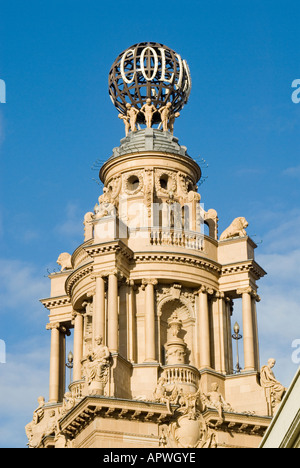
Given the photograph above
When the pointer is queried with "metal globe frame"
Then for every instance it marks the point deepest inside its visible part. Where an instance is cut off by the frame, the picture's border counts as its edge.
(149, 70)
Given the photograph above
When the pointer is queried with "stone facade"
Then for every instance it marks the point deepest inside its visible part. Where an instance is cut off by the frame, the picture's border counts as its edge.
(148, 299)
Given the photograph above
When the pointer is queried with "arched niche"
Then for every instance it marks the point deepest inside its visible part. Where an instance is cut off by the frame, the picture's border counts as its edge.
(184, 310)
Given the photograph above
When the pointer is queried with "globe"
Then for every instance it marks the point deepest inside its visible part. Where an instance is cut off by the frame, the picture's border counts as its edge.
(149, 70)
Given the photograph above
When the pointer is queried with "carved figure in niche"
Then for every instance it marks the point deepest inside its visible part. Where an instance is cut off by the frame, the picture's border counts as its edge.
(125, 119)
(236, 229)
(106, 205)
(214, 399)
(97, 366)
(165, 115)
(64, 260)
(148, 110)
(274, 390)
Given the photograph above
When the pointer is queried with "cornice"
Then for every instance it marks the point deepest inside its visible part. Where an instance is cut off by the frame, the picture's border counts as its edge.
(52, 302)
(245, 266)
(78, 274)
(109, 247)
(185, 259)
(94, 406)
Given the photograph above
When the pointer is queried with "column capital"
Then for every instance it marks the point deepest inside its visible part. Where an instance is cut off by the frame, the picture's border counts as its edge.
(58, 326)
(248, 290)
(147, 281)
(205, 290)
(220, 295)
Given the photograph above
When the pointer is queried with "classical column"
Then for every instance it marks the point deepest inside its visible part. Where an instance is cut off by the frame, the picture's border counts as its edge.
(54, 362)
(203, 330)
(99, 308)
(150, 344)
(131, 309)
(248, 329)
(255, 299)
(222, 331)
(78, 345)
(229, 310)
(112, 306)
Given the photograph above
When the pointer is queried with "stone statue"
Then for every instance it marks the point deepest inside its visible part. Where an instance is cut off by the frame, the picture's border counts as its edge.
(171, 121)
(38, 415)
(88, 226)
(106, 205)
(214, 399)
(64, 260)
(148, 110)
(236, 229)
(165, 114)
(132, 113)
(125, 119)
(273, 389)
(96, 365)
(68, 403)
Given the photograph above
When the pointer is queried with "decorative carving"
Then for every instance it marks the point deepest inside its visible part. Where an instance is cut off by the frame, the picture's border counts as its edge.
(64, 260)
(88, 226)
(236, 229)
(107, 205)
(68, 403)
(214, 399)
(96, 367)
(175, 346)
(162, 395)
(274, 391)
(190, 430)
(133, 182)
(168, 178)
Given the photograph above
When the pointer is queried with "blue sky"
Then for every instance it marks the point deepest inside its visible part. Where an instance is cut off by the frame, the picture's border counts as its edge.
(58, 120)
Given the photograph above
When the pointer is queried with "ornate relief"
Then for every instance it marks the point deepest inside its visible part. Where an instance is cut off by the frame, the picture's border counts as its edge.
(166, 294)
(96, 365)
(133, 182)
(165, 182)
(189, 430)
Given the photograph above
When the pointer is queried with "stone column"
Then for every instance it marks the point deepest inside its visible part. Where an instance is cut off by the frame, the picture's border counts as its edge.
(112, 312)
(222, 331)
(204, 330)
(229, 310)
(150, 344)
(248, 329)
(78, 345)
(54, 362)
(99, 309)
(255, 299)
(131, 308)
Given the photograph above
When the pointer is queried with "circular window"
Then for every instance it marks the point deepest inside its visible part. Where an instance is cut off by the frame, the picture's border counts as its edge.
(133, 183)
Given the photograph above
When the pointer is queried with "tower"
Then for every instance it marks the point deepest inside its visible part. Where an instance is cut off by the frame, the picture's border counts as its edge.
(148, 296)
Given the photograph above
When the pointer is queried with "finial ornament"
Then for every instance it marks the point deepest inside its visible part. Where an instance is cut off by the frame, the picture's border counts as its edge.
(149, 84)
